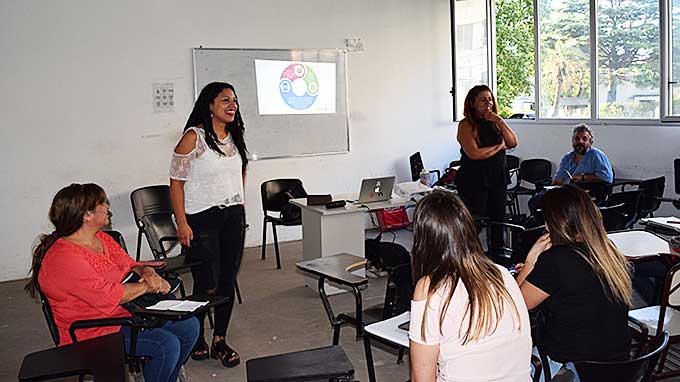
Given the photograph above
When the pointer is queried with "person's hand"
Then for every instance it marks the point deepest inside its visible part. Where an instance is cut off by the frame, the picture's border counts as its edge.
(185, 234)
(154, 281)
(491, 116)
(541, 245)
(165, 286)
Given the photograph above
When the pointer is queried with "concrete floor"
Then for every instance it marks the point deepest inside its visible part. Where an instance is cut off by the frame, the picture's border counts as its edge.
(279, 314)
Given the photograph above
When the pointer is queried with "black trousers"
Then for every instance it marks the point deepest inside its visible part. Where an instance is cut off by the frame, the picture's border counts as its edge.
(218, 243)
(487, 202)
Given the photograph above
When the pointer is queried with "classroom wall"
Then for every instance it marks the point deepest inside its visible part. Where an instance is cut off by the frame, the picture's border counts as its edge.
(75, 97)
(75, 101)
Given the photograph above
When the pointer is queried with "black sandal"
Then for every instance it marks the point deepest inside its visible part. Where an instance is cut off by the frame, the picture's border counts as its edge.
(229, 357)
(200, 350)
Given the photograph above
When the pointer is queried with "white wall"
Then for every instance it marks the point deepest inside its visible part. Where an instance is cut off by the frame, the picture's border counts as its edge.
(75, 98)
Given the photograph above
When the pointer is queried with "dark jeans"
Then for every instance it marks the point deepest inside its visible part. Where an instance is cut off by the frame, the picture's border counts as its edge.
(167, 347)
(218, 243)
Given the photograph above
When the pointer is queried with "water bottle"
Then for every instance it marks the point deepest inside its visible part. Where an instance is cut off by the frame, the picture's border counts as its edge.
(425, 177)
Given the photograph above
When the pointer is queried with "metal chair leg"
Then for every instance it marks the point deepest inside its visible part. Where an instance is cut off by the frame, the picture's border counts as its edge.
(400, 358)
(264, 238)
(210, 319)
(276, 247)
(238, 292)
(369, 358)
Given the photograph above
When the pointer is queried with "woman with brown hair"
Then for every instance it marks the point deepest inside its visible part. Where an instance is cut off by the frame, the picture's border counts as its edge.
(580, 280)
(79, 270)
(468, 319)
(483, 136)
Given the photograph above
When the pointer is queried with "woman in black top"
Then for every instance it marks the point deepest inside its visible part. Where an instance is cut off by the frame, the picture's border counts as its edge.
(580, 280)
(483, 137)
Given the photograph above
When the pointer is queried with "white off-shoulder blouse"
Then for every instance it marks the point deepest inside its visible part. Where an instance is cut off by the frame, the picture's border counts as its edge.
(210, 179)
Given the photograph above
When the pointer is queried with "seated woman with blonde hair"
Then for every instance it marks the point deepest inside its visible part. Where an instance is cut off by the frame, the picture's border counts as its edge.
(580, 280)
(468, 319)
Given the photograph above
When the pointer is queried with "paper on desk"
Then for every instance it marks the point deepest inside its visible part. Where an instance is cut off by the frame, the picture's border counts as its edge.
(670, 222)
(178, 305)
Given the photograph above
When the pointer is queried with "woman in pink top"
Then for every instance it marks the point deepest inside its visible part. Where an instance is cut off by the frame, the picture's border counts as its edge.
(79, 270)
(468, 318)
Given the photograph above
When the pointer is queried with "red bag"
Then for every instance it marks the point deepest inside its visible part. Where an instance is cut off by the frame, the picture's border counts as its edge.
(391, 218)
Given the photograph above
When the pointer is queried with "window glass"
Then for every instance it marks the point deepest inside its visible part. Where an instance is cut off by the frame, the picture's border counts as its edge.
(471, 49)
(564, 54)
(515, 58)
(628, 59)
(674, 70)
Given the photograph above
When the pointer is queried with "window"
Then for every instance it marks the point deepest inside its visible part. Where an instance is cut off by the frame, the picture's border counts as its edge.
(472, 55)
(570, 59)
(628, 59)
(674, 55)
(564, 59)
(515, 58)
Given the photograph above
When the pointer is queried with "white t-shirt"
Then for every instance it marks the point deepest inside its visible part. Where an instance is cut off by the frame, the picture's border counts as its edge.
(503, 355)
(210, 179)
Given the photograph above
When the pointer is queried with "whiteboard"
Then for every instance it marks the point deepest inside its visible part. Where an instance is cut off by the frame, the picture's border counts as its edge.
(278, 136)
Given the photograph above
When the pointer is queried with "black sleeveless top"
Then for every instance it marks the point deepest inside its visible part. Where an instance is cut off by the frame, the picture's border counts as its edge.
(485, 173)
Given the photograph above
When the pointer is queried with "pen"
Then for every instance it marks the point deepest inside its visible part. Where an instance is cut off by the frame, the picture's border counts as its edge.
(673, 222)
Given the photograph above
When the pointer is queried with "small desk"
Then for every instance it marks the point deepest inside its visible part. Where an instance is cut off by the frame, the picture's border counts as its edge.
(174, 315)
(337, 269)
(387, 330)
(637, 244)
(103, 357)
(326, 232)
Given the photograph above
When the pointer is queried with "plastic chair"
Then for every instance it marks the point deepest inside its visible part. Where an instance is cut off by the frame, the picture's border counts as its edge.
(416, 165)
(631, 200)
(273, 199)
(665, 318)
(337, 269)
(651, 197)
(638, 369)
(613, 217)
(153, 212)
(328, 363)
(537, 172)
(134, 362)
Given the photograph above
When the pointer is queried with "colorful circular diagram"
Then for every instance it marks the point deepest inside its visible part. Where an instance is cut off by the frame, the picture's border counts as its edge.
(299, 86)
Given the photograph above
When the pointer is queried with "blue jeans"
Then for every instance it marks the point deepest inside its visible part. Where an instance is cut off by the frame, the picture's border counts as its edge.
(167, 347)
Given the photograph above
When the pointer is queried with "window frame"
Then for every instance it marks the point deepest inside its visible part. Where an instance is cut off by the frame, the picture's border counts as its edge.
(665, 62)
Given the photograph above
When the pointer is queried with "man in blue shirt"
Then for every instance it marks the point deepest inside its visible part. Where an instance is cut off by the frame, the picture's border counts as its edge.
(585, 164)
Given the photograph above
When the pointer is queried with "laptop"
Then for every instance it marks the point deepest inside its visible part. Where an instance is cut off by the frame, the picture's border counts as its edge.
(376, 190)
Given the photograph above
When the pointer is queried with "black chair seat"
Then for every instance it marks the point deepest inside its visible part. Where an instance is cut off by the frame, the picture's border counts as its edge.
(280, 221)
(308, 365)
(521, 190)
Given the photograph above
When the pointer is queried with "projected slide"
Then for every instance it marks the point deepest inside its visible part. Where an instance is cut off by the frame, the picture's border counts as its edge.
(295, 87)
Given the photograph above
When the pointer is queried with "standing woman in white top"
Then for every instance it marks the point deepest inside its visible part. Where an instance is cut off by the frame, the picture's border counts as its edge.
(207, 177)
(468, 318)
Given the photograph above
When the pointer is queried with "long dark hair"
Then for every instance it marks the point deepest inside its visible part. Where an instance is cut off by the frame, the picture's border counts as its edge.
(572, 218)
(200, 116)
(446, 249)
(470, 112)
(68, 208)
